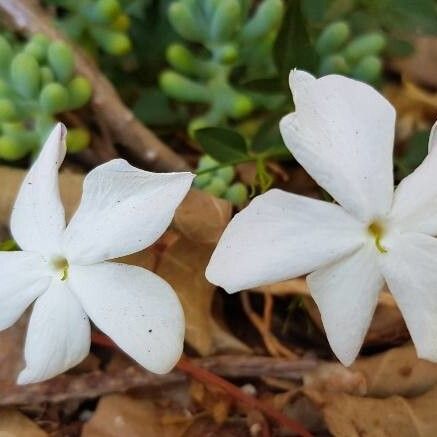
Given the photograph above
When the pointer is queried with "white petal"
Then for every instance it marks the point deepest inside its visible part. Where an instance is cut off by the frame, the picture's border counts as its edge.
(280, 236)
(432, 137)
(134, 307)
(409, 267)
(38, 218)
(24, 276)
(415, 200)
(58, 335)
(346, 293)
(342, 134)
(123, 210)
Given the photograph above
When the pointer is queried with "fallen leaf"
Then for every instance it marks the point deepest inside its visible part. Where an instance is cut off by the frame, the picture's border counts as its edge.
(351, 416)
(15, 424)
(121, 415)
(183, 266)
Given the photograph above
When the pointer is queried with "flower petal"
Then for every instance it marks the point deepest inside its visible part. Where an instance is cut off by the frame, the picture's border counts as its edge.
(38, 219)
(280, 236)
(346, 293)
(24, 276)
(58, 335)
(136, 308)
(415, 200)
(342, 134)
(432, 137)
(123, 210)
(409, 267)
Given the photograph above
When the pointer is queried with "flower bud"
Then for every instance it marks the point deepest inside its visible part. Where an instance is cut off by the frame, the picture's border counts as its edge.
(8, 111)
(225, 21)
(77, 139)
(226, 173)
(237, 194)
(61, 60)
(216, 187)
(267, 17)
(369, 44)
(54, 98)
(334, 64)
(332, 38)
(183, 21)
(79, 92)
(369, 69)
(11, 149)
(25, 75)
(181, 88)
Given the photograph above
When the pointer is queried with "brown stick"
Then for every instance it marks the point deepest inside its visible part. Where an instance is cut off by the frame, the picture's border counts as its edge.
(98, 383)
(27, 16)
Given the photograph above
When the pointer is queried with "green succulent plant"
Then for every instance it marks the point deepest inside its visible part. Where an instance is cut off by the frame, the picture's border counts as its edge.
(37, 82)
(227, 38)
(357, 56)
(101, 24)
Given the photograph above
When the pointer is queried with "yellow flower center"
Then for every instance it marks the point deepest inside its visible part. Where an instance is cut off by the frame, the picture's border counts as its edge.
(376, 230)
(60, 264)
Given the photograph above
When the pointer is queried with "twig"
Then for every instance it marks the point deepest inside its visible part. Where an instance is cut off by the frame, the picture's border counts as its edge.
(27, 16)
(236, 393)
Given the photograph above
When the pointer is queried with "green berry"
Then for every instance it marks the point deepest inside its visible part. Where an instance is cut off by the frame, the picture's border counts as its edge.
(61, 60)
(206, 162)
(54, 98)
(216, 187)
(334, 64)
(77, 140)
(369, 44)
(332, 38)
(11, 150)
(79, 91)
(226, 173)
(202, 180)
(226, 20)
(369, 69)
(237, 194)
(8, 111)
(25, 75)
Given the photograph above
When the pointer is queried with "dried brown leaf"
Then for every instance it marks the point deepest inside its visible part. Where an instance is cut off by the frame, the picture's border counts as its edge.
(15, 424)
(350, 416)
(120, 415)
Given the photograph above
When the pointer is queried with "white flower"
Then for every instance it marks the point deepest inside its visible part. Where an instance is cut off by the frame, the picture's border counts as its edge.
(123, 210)
(342, 134)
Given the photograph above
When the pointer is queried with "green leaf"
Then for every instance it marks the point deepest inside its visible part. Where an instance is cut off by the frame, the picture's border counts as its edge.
(268, 138)
(223, 145)
(293, 48)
